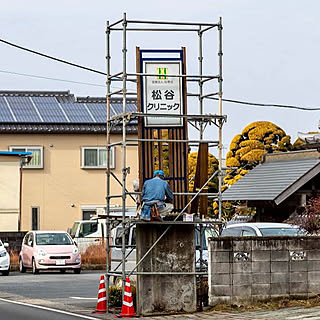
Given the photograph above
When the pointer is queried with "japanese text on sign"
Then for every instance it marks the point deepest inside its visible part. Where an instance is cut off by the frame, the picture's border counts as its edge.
(163, 94)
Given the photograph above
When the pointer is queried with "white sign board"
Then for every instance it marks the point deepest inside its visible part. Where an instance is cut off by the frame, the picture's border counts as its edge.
(162, 93)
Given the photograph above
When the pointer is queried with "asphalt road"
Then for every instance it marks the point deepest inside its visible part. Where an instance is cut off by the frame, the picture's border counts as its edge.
(10, 310)
(71, 292)
(55, 296)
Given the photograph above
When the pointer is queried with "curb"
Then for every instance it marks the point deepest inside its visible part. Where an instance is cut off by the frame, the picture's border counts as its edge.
(15, 267)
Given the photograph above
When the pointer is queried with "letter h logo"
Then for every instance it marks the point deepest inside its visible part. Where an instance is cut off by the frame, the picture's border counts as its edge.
(162, 73)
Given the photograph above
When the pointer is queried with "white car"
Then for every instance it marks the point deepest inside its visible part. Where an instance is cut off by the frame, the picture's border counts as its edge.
(261, 229)
(4, 259)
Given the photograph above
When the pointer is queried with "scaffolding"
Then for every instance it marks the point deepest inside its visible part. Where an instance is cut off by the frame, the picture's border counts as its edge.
(199, 120)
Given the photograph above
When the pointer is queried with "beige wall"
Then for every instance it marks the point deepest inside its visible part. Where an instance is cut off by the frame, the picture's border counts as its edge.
(61, 188)
(9, 192)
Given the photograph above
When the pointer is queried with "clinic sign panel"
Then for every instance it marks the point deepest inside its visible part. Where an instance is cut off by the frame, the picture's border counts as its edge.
(162, 93)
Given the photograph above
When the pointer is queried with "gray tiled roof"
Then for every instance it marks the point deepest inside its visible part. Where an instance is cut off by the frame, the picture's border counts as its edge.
(62, 128)
(270, 180)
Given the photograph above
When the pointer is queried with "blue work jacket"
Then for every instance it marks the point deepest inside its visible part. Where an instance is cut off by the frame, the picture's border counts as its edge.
(156, 189)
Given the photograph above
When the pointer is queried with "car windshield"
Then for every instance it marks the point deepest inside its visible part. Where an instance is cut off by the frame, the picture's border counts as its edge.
(281, 231)
(48, 239)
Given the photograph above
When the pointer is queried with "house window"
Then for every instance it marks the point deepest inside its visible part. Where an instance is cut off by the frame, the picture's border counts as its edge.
(96, 157)
(37, 155)
(87, 214)
(35, 218)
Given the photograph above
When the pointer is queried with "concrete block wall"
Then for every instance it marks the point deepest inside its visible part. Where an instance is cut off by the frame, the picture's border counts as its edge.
(242, 270)
(175, 253)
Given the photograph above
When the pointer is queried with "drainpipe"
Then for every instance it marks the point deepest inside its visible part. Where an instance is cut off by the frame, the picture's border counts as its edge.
(20, 195)
(22, 161)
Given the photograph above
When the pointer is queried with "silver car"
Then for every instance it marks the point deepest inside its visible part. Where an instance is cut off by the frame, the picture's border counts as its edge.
(4, 259)
(261, 229)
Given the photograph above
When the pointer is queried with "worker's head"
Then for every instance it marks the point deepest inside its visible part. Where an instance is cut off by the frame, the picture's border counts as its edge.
(159, 173)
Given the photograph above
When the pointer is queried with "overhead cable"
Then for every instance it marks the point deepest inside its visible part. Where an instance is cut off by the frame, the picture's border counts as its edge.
(103, 73)
(266, 104)
(48, 78)
(51, 57)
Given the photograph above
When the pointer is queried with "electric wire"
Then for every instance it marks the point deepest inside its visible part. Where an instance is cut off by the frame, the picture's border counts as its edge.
(54, 79)
(256, 104)
(58, 79)
(51, 57)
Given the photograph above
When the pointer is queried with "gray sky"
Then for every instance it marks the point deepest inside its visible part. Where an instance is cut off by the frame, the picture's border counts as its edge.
(271, 50)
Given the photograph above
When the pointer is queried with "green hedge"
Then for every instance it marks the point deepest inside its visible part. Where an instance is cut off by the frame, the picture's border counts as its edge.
(115, 296)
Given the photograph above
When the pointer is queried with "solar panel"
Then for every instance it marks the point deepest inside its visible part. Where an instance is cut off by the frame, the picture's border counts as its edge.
(5, 114)
(130, 107)
(49, 109)
(99, 111)
(77, 112)
(23, 109)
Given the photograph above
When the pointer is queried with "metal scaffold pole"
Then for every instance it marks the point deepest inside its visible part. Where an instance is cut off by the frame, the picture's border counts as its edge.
(200, 84)
(220, 54)
(108, 163)
(124, 147)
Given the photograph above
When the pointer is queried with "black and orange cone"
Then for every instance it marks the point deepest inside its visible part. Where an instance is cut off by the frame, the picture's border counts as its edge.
(102, 297)
(127, 304)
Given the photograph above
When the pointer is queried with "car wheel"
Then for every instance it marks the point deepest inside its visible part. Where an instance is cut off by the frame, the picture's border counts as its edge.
(34, 267)
(62, 270)
(6, 273)
(77, 271)
(22, 268)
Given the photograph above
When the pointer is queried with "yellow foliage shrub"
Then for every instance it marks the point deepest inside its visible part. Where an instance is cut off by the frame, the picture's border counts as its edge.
(237, 177)
(236, 139)
(243, 172)
(253, 144)
(234, 146)
(232, 162)
(213, 164)
(242, 151)
(260, 129)
(297, 145)
(253, 155)
(229, 154)
(248, 148)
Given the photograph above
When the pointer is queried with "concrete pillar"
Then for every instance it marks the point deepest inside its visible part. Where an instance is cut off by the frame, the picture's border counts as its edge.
(174, 253)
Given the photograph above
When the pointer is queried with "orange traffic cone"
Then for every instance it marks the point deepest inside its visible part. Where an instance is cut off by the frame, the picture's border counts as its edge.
(127, 304)
(102, 297)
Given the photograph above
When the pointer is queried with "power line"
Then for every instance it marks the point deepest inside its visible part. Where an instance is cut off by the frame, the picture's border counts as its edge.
(48, 78)
(57, 79)
(256, 104)
(51, 57)
(103, 73)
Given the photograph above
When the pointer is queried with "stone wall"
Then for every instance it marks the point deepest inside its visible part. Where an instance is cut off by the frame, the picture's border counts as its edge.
(174, 253)
(242, 270)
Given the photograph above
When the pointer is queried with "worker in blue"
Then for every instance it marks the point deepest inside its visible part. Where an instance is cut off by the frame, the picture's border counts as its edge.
(156, 196)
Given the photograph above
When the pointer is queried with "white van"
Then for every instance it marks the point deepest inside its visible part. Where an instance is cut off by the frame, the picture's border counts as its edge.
(88, 232)
(116, 252)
